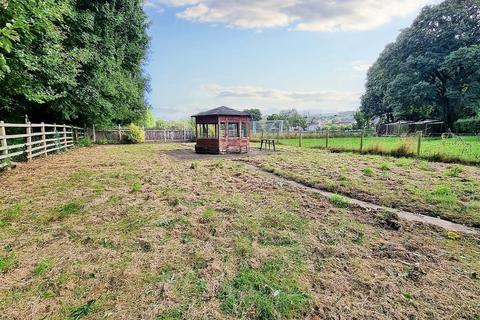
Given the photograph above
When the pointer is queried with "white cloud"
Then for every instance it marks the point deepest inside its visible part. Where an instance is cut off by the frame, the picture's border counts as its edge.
(361, 66)
(274, 99)
(303, 15)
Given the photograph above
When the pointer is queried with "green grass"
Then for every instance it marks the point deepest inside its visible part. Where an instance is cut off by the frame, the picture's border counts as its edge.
(260, 293)
(339, 201)
(464, 148)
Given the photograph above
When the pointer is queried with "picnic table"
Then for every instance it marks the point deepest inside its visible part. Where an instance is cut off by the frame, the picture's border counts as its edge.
(267, 143)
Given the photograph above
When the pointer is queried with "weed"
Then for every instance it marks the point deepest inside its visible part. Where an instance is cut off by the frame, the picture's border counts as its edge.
(137, 187)
(106, 243)
(82, 311)
(207, 215)
(442, 194)
(194, 165)
(175, 313)
(358, 236)
(454, 172)
(43, 266)
(385, 166)
(452, 235)
(339, 201)
(243, 247)
(7, 262)
(167, 223)
(69, 209)
(219, 164)
(187, 239)
(368, 172)
(263, 294)
(408, 296)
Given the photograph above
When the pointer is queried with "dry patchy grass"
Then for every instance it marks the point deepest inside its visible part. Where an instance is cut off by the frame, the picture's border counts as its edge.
(449, 191)
(125, 232)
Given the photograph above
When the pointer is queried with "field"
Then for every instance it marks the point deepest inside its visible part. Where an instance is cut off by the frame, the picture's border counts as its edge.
(463, 148)
(155, 232)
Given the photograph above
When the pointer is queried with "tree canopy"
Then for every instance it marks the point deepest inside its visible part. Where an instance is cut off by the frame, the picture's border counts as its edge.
(256, 114)
(75, 61)
(294, 118)
(433, 68)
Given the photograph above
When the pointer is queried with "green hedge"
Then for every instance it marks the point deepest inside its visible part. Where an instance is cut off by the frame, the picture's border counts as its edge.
(467, 126)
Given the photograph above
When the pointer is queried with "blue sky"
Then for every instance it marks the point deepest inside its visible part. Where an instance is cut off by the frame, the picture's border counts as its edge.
(271, 54)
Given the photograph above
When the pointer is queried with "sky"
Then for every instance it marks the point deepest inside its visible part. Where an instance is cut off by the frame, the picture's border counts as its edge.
(311, 55)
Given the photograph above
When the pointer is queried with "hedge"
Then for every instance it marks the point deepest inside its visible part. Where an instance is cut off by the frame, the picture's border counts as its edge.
(467, 126)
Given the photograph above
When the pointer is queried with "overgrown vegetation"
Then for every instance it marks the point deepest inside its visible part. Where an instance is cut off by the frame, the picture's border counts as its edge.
(88, 68)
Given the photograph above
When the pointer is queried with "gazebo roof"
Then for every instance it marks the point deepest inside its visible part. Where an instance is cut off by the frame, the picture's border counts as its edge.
(222, 111)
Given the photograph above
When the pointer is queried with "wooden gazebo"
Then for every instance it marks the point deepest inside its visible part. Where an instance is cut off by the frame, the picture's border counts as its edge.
(222, 130)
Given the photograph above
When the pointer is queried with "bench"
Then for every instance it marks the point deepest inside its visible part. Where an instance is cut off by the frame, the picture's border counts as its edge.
(267, 143)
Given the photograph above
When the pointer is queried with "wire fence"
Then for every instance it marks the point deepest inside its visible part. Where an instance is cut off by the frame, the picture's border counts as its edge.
(447, 147)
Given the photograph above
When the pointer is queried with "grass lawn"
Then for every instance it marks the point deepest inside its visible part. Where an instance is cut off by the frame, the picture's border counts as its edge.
(450, 191)
(136, 232)
(464, 148)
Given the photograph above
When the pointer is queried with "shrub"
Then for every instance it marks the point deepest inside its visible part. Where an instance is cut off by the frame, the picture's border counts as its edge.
(135, 134)
(84, 142)
(467, 126)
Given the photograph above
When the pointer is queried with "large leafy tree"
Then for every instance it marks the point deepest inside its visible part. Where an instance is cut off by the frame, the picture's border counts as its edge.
(74, 61)
(432, 70)
(255, 113)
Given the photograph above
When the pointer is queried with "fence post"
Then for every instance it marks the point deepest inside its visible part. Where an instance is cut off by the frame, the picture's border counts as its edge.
(361, 142)
(65, 136)
(300, 140)
(326, 139)
(94, 136)
(119, 134)
(44, 138)
(3, 135)
(29, 141)
(419, 143)
(165, 135)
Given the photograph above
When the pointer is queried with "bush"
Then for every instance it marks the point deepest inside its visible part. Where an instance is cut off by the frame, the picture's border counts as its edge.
(135, 134)
(84, 142)
(467, 126)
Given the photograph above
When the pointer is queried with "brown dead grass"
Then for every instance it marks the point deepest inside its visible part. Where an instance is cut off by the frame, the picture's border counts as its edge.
(152, 253)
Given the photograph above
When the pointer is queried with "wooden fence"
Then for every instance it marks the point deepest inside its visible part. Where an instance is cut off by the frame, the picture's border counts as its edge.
(29, 140)
(151, 135)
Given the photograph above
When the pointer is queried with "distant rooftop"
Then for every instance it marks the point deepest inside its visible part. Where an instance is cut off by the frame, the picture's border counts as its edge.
(222, 111)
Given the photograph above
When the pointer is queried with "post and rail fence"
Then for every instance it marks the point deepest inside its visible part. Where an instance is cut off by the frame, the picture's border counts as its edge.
(27, 141)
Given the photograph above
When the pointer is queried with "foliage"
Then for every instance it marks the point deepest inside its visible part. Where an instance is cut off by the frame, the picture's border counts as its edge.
(294, 118)
(149, 120)
(433, 68)
(256, 114)
(362, 120)
(467, 126)
(339, 201)
(174, 124)
(88, 68)
(135, 134)
(84, 142)
(82, 311)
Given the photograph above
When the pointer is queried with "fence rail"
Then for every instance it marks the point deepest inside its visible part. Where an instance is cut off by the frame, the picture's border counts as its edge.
(26, 141)
(118, 135)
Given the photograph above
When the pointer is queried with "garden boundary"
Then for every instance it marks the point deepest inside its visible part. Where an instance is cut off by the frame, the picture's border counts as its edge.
(118, 135)
(26, 141)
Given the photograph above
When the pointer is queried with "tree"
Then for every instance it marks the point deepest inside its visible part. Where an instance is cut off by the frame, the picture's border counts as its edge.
(73, 61)
(294, 118)
(256, 114)
(362, 120)
(432, 68)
